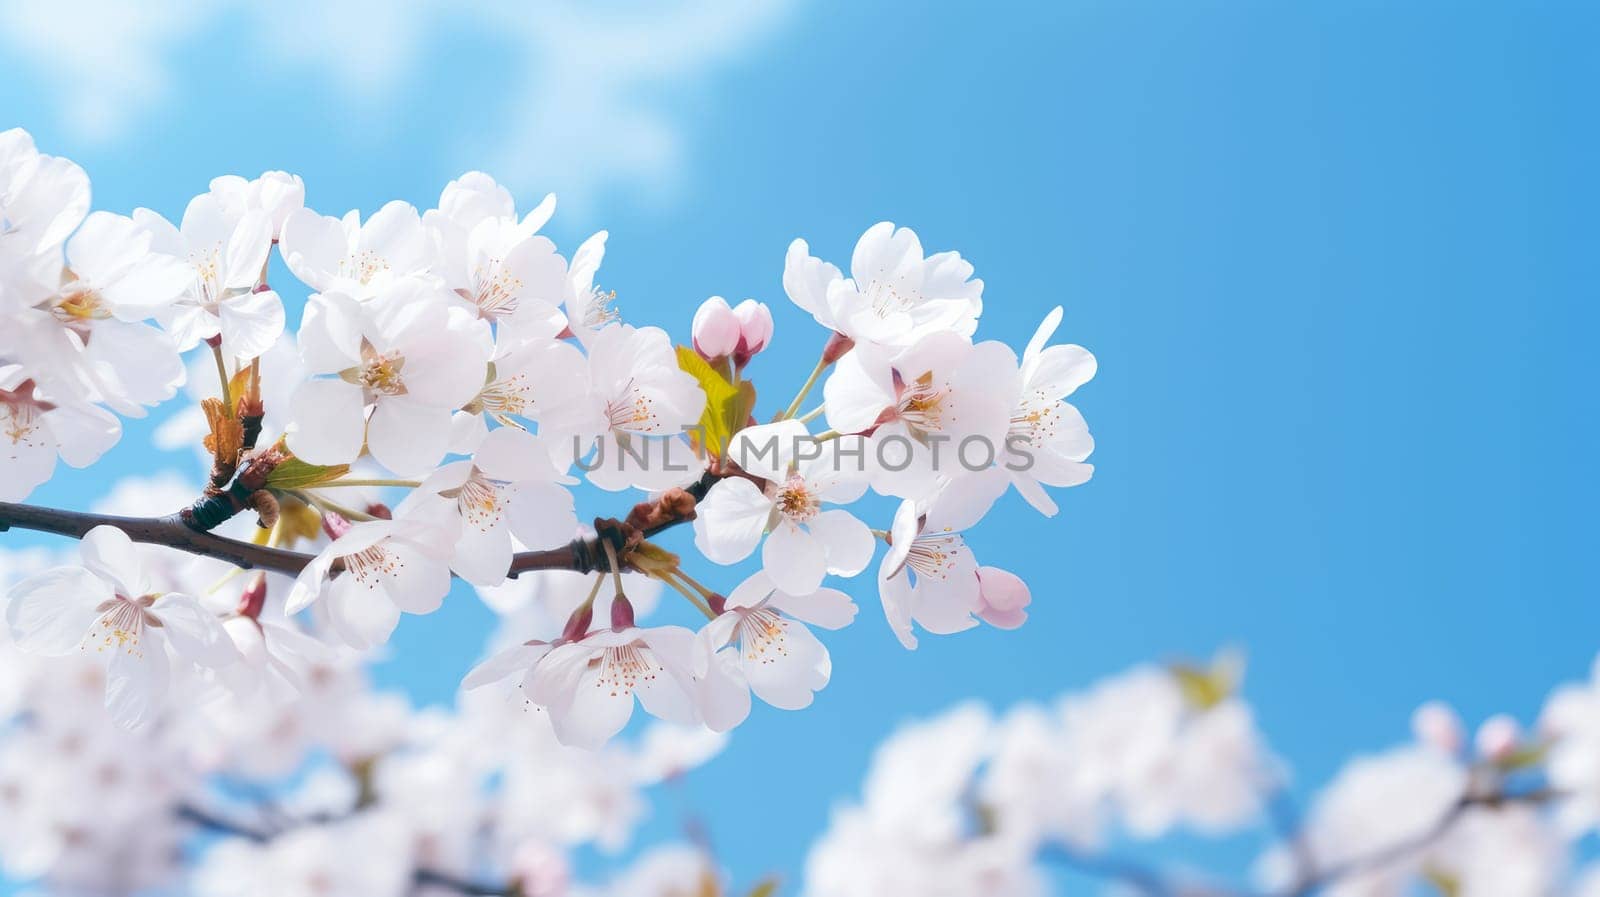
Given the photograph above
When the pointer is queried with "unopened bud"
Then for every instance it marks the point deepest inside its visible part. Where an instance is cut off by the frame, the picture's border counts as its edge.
(838, 344)
(621, 612)
(254, 597)
(1498, 738)
(334, 524)
(1003, 598)
(755, 330)
(715, 329)
(1436, 725)
(578, 624)
(380, 510)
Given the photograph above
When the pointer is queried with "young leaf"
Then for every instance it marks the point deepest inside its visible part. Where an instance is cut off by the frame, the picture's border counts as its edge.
(293, 473)
(721, 399)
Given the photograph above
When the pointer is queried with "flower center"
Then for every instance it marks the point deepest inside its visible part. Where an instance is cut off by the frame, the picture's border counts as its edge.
(122, 623)
(79, 306)
(495, 290)
(380, 371)
(479, 500)
(20, 420)
(599, 312)
(886, 300)
(761, 636)
(1036, 418)
(921, 404)
(363, 266)
(796, 501)
(207, 271)
(632, 410)
(623, 667)
(504, 399)
(934, 556)
(370, 564)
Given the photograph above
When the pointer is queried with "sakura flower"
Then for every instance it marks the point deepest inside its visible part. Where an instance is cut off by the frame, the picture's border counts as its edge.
(276, 657)
(476, 197)
(509, 488)
(497, 264)
(377, 569)
(87, 338)
(43, 199)
(535, 380)
(275, 194)
(939, 408)
(355, 258)
(930, 576)
(588, 685)
(1048, 439)
(33, 432)
(638, 404)
(894, 296)
(406, 355)
(589, 309)
(760, 643)
(798, 475)
(109, 607)
(228, 257)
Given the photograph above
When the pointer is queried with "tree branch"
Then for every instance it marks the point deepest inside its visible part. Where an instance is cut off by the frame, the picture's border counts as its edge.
(581, 556)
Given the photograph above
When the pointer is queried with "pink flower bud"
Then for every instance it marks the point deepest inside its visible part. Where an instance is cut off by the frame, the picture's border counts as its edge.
(1436, 725)
(755, 330)
(1498, 737)
(1002, 597)
(716, 329)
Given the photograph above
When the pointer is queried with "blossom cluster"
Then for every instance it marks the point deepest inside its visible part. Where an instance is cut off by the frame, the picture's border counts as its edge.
(453, 376)
(972, 803)
(219, 797)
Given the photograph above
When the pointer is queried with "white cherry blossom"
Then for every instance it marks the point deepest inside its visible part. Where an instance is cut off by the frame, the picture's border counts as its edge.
(1048, 441)
(377, 569)
(637, 406)
(228, 256)
(34, 431)
(939, 408)
(761, 643)
(894, 297)
(408, 356)
(356, 258)
(797, 476)
(107, 607)
(509, 489)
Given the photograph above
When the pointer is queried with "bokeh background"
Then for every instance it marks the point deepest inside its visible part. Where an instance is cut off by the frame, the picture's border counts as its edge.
(1337, 260)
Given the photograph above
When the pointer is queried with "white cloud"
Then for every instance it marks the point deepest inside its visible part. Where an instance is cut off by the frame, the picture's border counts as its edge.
(581, 109)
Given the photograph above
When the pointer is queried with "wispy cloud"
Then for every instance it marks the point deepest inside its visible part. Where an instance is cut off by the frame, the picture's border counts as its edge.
(584, 105)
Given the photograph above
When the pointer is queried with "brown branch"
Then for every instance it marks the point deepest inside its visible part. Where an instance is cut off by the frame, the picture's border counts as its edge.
(582, 555)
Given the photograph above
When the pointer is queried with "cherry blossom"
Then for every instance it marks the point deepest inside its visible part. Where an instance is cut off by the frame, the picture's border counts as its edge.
(410, 358)
(1048, 440)
(356, 258)
(509, 489)
(228, 258)
(107, 606)
(761, 643)
(940, 407)
(806, 542)
(894, 297)
(365, 578)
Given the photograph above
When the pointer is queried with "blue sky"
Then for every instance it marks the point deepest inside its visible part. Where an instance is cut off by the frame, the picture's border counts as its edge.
(1337, 262)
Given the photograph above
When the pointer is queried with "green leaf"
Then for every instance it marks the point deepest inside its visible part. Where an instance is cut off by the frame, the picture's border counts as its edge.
(293, 473)
(723, 401)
